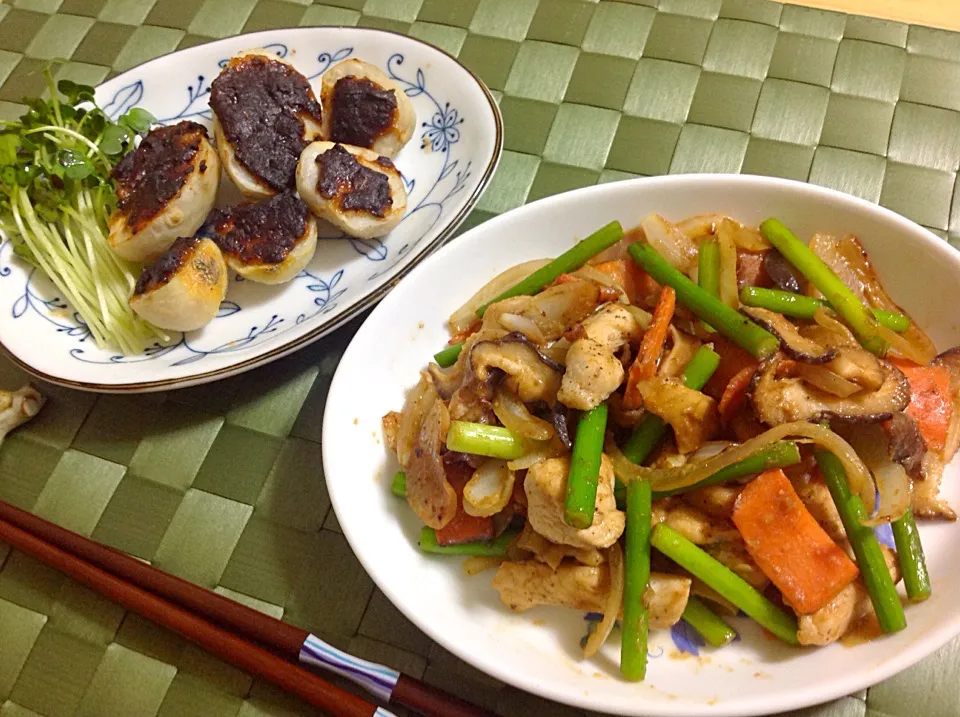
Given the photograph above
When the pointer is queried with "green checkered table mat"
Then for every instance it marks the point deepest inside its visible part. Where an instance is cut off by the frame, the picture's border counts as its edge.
(223, 485)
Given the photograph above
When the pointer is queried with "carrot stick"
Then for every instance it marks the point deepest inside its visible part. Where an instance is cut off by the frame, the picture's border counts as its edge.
(616, 270)
(736, 392)
(788, 544)
(464, 528)
(465, 334)
(651, 346)
(733, 360)
(930, 404)
(565, 279)
(637, 283)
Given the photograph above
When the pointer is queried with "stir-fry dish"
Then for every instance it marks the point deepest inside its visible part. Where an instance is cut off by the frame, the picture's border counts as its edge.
(681, 423)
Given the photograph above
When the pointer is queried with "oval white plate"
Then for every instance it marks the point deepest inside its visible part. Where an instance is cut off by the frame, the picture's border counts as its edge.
(446, 166)
(539, 650)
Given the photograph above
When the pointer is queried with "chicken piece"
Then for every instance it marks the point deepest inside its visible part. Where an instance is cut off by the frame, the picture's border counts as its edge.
(612, 326)
(714, 500)
(593, 369)
(365, 108)
(264, 114)
(851, 606)
(828, 624)
(733, 553)
(530, 583)
(545, 486)
(593, 373)
(925, 499)
(523, 585)
(666, 598)
(269, 242)
(553, 554)
(182, 290)
(165, 189)
(429, 493)
(816, 497)
(691, 523)
(354, 189)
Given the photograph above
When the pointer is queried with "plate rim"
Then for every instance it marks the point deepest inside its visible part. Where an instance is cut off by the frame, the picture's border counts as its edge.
(352, 311)
(909, 656)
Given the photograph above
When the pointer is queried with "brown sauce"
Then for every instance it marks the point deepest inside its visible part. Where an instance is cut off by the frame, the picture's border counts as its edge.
(162, 270)
(262, 233)
(353, 186)
(362, 111)
(154, 173)
(258, 103)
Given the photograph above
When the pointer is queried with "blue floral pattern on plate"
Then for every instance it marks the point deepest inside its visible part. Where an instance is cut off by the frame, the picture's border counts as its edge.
(437, 168)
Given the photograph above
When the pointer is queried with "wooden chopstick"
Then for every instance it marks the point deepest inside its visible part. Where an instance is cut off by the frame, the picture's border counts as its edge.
(218, 641)
(288, 640)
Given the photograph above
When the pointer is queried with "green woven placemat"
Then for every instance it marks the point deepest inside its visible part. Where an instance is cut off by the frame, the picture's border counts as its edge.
(223, 484)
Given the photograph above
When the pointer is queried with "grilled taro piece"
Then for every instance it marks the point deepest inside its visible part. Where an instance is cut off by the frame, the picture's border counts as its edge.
(365, 108)
(182, 290)
(165, 189)
(270, 242)
(355, 189)
(264, 114)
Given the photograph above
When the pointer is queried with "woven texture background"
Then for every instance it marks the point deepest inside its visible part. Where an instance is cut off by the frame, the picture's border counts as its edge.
(223, 484)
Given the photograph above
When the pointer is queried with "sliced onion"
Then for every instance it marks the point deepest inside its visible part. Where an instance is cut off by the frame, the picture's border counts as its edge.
(918, 353)
(894, 487)
(742, 237)
(671, 243)
(464, 317)
(558, 309)
(848, 260)
(709, 450)
(489, 489)
(557, 351)
(526, 326)
(729, 293)
(619, 250)
(513, 414)
(893, 483)
(419, 401)
(826, 380)
(642, 317)
(700, 225)
(683, 349)
(591, 273)
(611, 608)
(843, 335)
(540, 451)
(662, 479)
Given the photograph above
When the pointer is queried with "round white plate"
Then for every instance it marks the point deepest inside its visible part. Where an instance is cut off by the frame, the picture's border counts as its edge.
(446, 166)
(539, 650)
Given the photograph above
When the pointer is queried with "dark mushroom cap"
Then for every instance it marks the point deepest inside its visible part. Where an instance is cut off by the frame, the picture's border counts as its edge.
(782, 400)
(797, 347)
